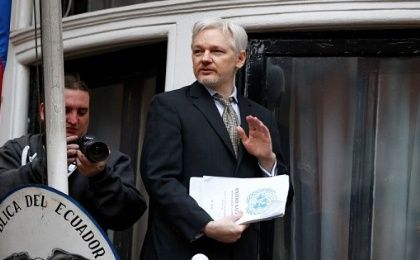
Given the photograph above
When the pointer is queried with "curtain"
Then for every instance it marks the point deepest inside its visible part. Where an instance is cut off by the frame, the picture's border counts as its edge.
(322, 122)
(396, 233)
(325, 109)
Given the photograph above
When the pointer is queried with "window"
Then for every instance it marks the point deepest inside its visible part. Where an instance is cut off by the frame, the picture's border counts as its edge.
(72, 7)
(348, 106)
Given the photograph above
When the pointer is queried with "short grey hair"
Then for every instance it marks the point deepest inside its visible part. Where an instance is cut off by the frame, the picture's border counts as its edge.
(238, 34)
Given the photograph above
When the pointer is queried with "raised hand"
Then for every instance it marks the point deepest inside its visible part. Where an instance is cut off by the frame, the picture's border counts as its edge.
(258, 142)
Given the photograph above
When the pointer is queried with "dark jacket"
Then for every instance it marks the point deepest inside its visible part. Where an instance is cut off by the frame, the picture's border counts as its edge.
(185, 137)
(110, 197)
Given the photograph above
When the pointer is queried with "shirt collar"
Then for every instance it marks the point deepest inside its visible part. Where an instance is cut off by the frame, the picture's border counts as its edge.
(233, 95)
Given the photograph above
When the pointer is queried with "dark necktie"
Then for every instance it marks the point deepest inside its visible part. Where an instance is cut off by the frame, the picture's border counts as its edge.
(230, 119)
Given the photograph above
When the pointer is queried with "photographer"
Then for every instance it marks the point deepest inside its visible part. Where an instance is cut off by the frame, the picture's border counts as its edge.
(104, 188)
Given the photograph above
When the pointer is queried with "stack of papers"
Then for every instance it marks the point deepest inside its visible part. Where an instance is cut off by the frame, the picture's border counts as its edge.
(258, 198)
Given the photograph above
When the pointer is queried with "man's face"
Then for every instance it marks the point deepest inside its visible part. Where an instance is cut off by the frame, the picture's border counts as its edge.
(214, 60)
(77, 112)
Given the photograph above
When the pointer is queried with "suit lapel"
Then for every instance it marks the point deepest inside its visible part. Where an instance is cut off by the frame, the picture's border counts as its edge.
(245, 109)
(205, 103)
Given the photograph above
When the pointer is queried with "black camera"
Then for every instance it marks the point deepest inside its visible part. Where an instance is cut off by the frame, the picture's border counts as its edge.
(95, 151)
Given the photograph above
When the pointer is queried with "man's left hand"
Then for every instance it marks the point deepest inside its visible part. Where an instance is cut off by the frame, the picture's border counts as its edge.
(258, 142)
(88, 168)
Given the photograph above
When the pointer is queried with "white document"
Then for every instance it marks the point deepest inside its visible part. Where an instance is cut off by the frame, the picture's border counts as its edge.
(258, 198)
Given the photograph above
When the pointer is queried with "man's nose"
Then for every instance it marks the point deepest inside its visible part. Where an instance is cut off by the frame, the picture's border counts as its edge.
(71, 118)
(206, 57)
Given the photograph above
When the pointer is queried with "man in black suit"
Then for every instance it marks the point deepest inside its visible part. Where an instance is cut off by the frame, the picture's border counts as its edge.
(186, 137)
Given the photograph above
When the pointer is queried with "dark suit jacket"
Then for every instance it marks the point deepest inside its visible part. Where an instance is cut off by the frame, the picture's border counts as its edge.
(185, 137)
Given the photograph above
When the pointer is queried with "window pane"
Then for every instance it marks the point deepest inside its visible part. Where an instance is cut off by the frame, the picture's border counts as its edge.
(322, 123)
(396, 233)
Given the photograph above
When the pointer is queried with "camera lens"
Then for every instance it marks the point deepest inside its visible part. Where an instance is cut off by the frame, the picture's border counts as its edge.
(97, 151)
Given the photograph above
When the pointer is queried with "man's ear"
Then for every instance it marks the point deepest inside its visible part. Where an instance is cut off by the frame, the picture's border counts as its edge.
(241, 59)
(42, 111)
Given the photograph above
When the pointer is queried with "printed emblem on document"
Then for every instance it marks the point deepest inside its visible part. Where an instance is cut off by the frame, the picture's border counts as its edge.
(260, 200)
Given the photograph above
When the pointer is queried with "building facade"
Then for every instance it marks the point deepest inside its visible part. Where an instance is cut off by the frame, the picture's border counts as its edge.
(342, 76)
